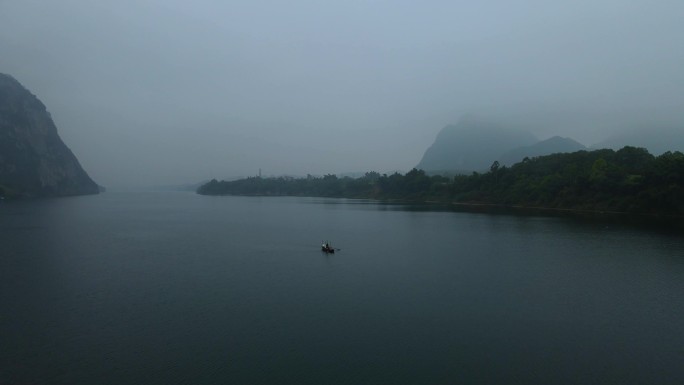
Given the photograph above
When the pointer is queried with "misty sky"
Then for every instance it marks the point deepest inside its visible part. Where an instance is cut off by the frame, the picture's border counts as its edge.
(163, 91)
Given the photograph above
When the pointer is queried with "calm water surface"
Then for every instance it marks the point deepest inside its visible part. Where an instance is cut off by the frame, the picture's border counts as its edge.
(177, 288)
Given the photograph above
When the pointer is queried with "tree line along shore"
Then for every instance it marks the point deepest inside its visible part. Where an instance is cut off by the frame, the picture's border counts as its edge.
(629, 180)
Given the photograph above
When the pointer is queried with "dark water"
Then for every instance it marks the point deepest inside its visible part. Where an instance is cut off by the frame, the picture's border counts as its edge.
(176, 288)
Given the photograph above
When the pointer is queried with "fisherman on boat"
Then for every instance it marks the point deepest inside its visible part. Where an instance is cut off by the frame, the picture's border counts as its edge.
(326, 248)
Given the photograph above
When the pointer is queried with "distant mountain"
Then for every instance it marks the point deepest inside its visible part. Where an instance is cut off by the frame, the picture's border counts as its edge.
(33, 159)
(549, 146)
(656, 140)
(472, 145)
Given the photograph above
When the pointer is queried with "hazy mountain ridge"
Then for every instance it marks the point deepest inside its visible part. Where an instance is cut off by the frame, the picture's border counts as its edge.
(472, 144)
(549, 146)
(33, 159)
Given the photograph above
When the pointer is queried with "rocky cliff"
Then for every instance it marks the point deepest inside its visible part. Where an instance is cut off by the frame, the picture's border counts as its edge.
(34, 162)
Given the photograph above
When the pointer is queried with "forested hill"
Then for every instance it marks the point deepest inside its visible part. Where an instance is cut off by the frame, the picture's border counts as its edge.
(628, 180)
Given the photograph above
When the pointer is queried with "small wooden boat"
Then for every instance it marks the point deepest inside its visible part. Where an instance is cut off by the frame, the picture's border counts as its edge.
(327, 249)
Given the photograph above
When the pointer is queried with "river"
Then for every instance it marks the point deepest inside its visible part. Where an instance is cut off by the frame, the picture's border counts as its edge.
(178, 288)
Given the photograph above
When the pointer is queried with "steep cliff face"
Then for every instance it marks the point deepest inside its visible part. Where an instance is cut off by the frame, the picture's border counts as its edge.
(33, 159)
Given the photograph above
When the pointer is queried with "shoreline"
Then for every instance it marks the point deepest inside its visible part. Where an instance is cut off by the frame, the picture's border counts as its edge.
(563, 210)
(495, 208)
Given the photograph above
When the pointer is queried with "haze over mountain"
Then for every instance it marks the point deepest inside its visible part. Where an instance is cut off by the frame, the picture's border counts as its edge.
(476, 142)
(33, 159)
(549, 146)
(656, 139)
(152, 92)
(472, 144)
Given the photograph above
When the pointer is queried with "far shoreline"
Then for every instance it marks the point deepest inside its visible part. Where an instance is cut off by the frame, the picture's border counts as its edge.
(673, 222)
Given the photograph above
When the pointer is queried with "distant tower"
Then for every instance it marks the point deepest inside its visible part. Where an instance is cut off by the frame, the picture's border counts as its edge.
(259, 172)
